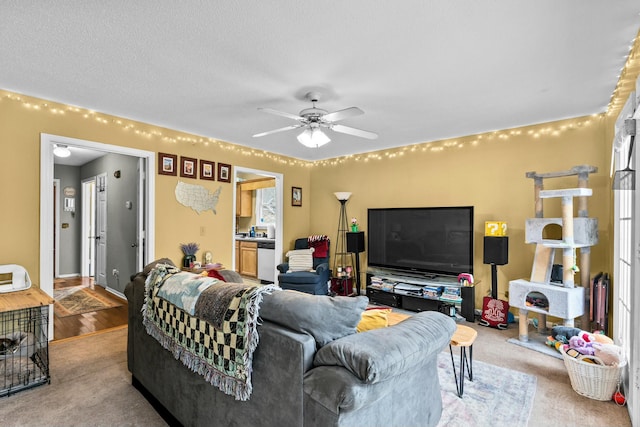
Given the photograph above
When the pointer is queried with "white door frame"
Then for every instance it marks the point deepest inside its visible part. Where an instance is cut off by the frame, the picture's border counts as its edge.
(47, 142)
(141, 212)
(279, 206)
(56, 225)
(88, 252)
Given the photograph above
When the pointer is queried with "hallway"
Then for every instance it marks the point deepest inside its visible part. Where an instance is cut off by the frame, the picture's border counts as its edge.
(93, 321)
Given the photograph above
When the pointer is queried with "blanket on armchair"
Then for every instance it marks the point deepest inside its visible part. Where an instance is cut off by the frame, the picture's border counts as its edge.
(209, 325)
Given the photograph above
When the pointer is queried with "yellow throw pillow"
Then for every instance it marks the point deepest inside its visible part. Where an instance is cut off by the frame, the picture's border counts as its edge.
(373, 319)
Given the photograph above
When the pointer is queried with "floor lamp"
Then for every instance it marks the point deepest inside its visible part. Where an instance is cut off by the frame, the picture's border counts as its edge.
(341, 254)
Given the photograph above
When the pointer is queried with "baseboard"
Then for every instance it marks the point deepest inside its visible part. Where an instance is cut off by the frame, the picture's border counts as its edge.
(67, 276)
(116, 293)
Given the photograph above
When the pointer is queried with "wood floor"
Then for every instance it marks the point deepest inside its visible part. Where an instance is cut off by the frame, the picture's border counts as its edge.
(86, 323)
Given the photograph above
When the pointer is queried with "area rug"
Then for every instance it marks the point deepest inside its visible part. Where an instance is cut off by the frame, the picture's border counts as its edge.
(496, 397)
(79, 299)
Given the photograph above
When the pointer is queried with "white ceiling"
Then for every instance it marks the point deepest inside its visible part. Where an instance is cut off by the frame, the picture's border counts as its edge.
(421, 70)
(79, 156)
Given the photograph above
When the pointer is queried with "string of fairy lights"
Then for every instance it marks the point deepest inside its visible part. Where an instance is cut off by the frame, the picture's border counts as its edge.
(625, 85)
(626, 79)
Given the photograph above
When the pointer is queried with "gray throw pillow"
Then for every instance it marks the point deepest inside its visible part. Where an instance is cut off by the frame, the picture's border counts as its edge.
(321, 316)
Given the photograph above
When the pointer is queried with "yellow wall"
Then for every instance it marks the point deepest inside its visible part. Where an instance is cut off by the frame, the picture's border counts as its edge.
(487, 173)
(23, 119)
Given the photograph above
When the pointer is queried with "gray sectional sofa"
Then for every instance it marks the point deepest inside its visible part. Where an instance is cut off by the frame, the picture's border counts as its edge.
(310, 368)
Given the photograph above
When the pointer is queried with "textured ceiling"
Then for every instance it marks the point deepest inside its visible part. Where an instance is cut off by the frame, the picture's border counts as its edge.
(421, 70)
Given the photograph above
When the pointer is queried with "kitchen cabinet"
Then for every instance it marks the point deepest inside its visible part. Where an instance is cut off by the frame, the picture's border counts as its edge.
(248, 264)
(244, 202)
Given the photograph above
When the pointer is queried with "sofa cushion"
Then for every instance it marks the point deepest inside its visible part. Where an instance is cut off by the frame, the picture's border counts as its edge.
(229, 276)
(300, 259)
(300, 278)
(147, 269)
(321, 316)
(405, 346)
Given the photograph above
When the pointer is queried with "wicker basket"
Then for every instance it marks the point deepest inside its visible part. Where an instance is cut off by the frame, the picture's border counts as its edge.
(593, 380)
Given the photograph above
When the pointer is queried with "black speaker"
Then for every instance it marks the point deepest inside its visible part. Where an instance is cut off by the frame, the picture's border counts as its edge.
(355, 242)
(496, 250)
(468, 309)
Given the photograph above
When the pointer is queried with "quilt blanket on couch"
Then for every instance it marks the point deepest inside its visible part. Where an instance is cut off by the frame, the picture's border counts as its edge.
(210, 325)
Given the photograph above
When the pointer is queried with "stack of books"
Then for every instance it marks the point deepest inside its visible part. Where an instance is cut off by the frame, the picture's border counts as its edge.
(451, 294)
(382, 284)
(433, 292)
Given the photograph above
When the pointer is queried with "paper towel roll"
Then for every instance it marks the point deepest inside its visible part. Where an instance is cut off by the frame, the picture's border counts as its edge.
(271, 232)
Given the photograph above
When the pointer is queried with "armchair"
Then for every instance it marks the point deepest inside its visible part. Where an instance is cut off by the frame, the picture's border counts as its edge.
(311, 282)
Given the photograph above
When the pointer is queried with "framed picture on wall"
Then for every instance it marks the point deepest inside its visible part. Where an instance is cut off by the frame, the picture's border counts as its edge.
(224, 172)
(296, 196)
(188, 167)
(207, 170)
(167, 164)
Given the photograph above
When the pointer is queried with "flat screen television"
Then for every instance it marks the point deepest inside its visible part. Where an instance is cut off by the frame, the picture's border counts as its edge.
(432, 241)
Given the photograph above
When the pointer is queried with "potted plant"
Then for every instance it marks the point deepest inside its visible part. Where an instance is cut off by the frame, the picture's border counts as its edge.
(189, 250)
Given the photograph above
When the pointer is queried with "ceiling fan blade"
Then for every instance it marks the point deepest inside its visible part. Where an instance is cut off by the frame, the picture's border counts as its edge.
(353, 131)
(342, 114)
(257, 135)
(281, 113)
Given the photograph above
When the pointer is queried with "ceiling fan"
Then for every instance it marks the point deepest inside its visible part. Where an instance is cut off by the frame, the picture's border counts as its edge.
(313, 120)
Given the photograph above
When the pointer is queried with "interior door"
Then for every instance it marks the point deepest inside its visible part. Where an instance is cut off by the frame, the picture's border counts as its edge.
(101, 230)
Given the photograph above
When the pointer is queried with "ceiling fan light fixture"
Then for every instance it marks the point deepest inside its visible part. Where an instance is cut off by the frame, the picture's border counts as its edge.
(313, 138)
(60, 150)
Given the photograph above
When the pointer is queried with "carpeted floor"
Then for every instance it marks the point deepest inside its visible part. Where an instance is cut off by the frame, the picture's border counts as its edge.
(90, 385)
(79, 299)
(537, 343)
(555, 402)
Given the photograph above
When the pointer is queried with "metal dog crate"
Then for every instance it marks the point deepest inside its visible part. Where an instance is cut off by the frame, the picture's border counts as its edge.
(24, 344)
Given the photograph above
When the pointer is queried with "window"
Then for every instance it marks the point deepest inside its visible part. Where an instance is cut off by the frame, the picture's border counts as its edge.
(626, 265)
(266, 206)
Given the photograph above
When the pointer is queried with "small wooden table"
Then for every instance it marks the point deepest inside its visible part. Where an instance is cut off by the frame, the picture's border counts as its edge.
(463, 337)
(29, 298)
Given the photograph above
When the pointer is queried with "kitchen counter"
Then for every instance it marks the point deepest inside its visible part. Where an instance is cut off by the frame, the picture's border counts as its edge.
(254, 239)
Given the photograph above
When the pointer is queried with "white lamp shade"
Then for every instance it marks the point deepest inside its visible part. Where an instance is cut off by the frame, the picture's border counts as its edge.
(313, 138)
(342, 195)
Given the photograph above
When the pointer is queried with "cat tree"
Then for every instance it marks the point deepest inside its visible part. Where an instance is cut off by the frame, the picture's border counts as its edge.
(564, 300)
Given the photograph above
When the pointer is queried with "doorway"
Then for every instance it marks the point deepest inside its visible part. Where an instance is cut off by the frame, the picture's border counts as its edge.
(144, 242)
(88, 253)
(238, 173)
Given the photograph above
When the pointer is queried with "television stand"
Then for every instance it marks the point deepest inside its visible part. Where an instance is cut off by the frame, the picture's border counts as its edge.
(409, 292)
